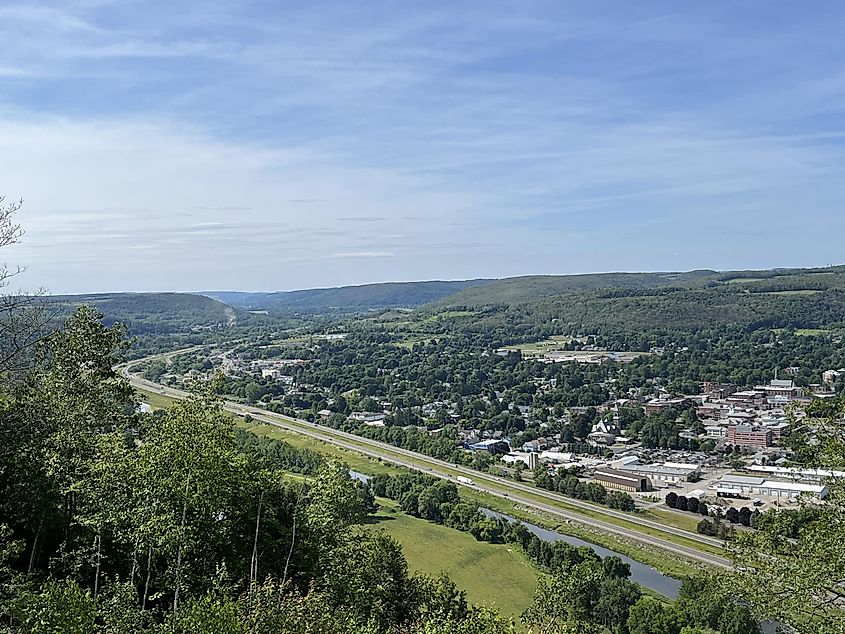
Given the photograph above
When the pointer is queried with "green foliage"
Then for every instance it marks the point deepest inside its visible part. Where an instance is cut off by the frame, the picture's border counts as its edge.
(57, 607)
(651, 616)
(566, 481)
(791, 567)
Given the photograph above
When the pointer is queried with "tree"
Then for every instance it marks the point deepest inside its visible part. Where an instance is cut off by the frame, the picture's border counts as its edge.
(22, 320)
(681, 504)
(650, 616)
(737, 619)
(617, 595)
(692, 505)
(58, 607)
(620, 500)
(672, 500)
(565, 602)
(613, 566)
(793, 579)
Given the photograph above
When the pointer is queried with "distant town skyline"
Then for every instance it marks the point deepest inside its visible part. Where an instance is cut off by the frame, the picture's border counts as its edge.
(275, 146)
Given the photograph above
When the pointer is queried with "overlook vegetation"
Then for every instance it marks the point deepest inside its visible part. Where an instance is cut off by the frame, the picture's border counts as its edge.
(115, 521)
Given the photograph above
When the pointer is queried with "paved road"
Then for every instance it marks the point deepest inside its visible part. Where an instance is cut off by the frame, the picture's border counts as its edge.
(439, 468)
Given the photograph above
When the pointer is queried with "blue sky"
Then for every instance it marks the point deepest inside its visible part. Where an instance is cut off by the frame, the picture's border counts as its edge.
(280, 145)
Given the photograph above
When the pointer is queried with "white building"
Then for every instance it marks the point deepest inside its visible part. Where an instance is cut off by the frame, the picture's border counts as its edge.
(735, 484)
(555, 457)
(367, 417)
(667, 472)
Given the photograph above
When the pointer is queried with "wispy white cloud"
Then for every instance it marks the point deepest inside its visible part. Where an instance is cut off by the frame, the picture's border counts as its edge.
(355, 255)
(243, 143)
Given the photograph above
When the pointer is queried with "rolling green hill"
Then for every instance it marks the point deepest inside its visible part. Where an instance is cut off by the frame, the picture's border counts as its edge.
(777, 298)
(536, 287)
(152, 313)
(346, 299)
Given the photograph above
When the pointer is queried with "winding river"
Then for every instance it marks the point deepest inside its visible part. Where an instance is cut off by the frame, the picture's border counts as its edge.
(646, 576)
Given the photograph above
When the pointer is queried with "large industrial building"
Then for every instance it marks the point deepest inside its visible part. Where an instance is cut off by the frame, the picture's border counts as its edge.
(666, 472)
(622, 480)
(737, 484)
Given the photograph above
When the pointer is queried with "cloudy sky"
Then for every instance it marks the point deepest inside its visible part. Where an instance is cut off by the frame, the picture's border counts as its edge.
(209, 144)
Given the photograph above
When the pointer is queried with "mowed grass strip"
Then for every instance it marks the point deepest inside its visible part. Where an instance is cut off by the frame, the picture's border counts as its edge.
(680, 519)
(492, 574)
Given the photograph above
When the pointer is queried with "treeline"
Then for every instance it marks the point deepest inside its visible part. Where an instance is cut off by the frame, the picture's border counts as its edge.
(276, 454)
(566, 481)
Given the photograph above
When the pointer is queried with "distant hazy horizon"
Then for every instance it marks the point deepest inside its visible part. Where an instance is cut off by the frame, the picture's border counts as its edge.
(221, 145)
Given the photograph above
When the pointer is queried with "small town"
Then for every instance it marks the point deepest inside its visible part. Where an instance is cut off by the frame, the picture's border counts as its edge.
(730, 453)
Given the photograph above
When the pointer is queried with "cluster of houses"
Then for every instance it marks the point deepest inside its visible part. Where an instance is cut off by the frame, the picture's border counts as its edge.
(273, 369)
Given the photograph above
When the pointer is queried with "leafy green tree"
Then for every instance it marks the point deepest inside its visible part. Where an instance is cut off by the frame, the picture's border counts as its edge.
(651, 616)
(565, 602)
(57, 607)
(793, 577)
(617, 595)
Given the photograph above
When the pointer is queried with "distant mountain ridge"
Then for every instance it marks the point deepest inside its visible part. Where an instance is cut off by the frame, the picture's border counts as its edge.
(347, 299)
(637, 302)
(807, 298)
(514, 290)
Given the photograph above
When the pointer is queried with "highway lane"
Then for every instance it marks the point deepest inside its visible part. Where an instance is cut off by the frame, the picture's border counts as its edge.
(432, 466)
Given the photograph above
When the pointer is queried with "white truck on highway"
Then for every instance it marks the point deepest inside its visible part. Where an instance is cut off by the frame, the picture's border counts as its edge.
(465, 480)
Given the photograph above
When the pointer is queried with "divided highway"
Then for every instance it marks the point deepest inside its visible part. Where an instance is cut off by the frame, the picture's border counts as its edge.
(512, 491)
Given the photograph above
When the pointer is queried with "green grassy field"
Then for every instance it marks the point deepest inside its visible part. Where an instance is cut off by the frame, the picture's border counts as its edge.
(156, 401)
(687, 521)
(491, 574)
(356, 461)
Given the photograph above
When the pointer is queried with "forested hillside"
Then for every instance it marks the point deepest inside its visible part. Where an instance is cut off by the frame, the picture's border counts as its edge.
(152, 313)
(637, 302)
(347, 299)
(540, 287)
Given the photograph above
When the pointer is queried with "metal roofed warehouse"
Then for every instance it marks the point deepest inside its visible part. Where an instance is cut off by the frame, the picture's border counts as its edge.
(773, 488)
